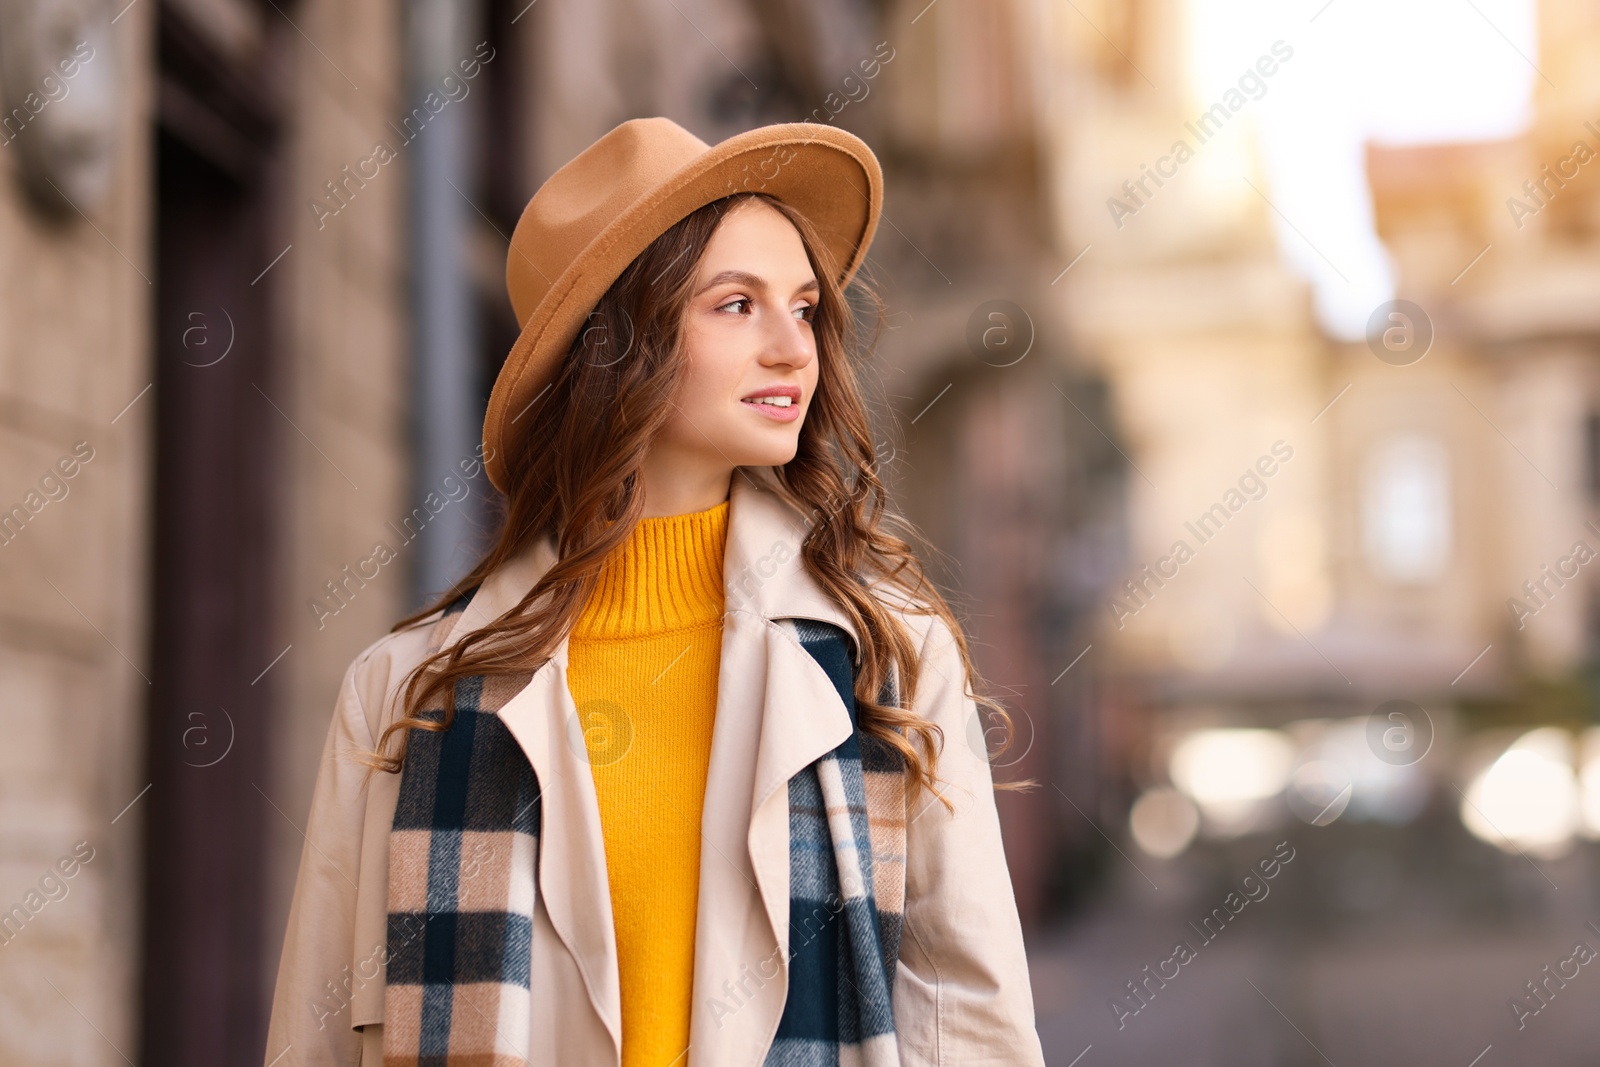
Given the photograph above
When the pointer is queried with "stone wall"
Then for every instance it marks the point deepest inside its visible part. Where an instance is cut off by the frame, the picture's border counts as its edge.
(75, 420)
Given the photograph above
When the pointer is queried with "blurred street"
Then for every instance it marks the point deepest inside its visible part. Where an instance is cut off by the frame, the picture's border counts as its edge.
(1348, 961)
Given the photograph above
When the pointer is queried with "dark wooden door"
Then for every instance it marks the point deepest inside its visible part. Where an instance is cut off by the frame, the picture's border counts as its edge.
(214, 550)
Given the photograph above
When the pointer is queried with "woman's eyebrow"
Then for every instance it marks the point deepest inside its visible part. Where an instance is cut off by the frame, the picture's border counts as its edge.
(754, 281)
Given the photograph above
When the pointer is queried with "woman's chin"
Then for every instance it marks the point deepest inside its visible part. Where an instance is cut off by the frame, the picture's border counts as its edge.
(765, 455)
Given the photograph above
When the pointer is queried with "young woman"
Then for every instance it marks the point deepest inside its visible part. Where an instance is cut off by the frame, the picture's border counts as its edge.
(668, 778)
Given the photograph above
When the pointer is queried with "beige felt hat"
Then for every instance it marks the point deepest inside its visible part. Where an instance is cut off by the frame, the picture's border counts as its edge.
(592, 217)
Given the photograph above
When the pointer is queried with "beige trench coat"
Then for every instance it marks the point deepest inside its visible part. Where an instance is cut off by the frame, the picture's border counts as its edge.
(961, 993)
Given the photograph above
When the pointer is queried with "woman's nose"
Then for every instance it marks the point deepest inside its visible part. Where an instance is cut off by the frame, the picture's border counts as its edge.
(793, 341)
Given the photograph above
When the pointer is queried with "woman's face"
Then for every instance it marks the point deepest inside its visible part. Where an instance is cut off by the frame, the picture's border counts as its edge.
(748, 333)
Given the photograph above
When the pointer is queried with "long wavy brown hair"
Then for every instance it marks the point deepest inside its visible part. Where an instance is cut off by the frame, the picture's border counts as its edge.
(575, 480)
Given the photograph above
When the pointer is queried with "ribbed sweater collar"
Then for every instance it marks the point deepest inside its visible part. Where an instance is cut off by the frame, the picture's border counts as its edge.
(668, 575)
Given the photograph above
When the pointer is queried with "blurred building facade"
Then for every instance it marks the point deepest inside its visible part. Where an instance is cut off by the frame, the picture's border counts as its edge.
(76, 310)
(207, 401)
(1322, 524)
(1339, 510)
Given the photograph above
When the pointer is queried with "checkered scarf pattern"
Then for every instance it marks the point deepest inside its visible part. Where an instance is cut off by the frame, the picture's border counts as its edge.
(463, 880)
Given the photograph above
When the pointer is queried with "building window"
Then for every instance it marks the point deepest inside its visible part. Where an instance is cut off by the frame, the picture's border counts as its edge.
(1405, 504)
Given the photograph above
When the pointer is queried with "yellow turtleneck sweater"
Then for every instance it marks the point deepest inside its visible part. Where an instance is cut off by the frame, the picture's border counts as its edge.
(642, 666)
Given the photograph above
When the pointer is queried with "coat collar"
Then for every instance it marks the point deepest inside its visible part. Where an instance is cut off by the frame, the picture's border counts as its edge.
(745, 865)
(762, 569)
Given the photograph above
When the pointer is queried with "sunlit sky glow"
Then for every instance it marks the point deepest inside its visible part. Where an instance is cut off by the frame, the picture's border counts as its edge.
(1393, 72)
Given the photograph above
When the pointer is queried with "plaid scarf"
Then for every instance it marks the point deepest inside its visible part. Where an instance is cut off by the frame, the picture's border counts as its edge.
(457, 988)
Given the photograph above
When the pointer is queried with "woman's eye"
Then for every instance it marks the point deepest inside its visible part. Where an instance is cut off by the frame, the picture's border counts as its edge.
(740, 300)
(807, 313)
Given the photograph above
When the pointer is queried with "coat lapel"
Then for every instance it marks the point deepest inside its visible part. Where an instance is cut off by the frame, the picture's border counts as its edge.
(777, 712)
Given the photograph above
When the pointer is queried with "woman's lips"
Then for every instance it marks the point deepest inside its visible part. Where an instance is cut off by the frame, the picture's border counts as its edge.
(772, 411)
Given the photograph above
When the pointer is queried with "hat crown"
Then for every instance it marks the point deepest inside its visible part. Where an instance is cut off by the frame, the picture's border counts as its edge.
(578, 202)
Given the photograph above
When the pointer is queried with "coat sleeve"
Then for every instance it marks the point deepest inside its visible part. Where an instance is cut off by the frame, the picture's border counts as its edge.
(961, 992)
(310, 1025)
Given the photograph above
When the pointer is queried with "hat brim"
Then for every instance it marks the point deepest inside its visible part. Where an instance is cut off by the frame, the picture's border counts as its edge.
(827, 174)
